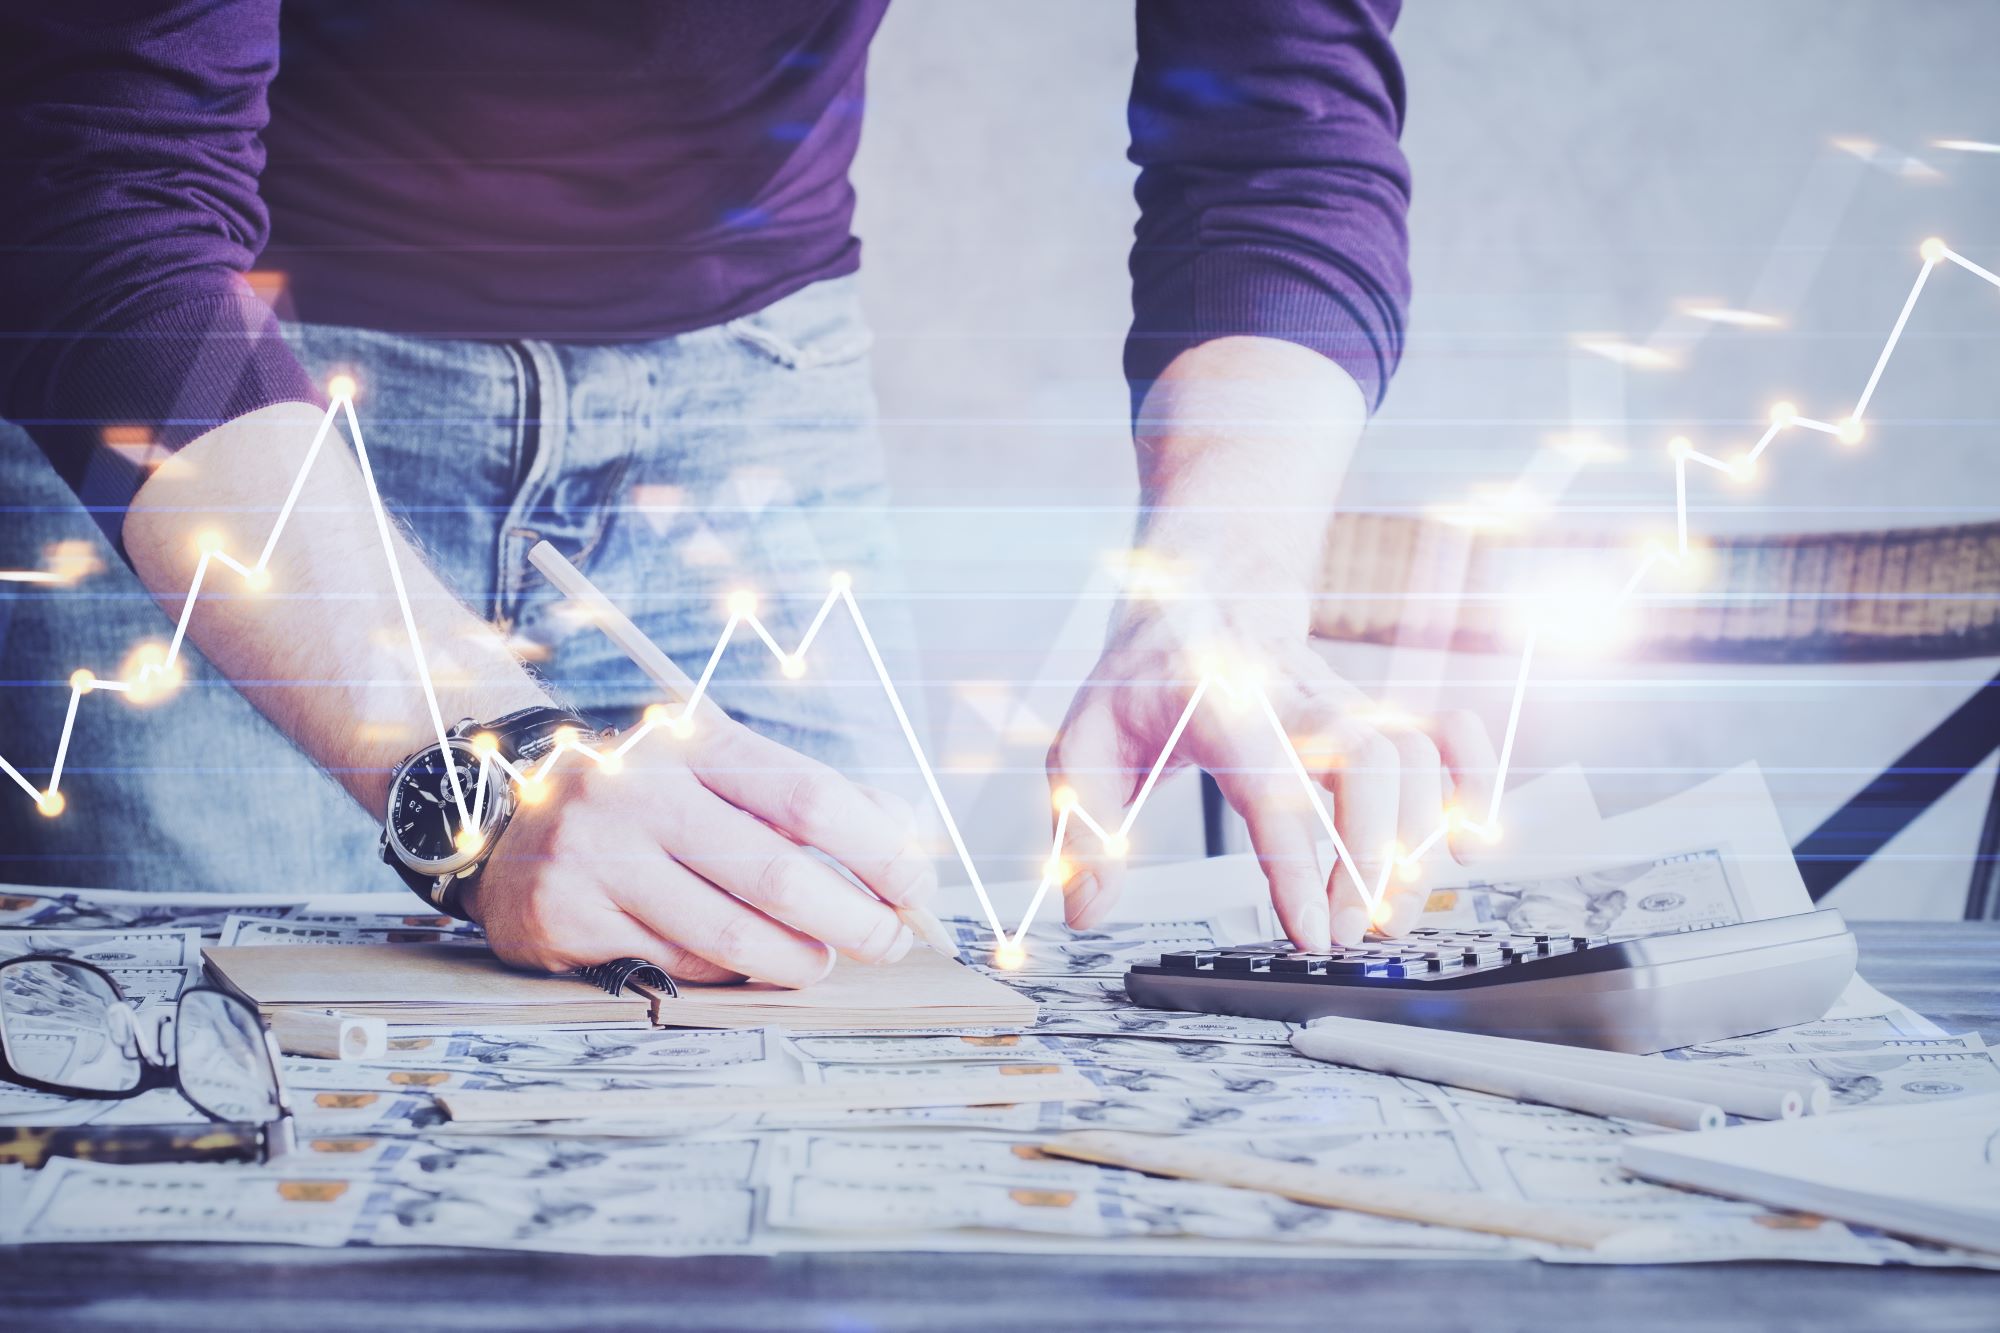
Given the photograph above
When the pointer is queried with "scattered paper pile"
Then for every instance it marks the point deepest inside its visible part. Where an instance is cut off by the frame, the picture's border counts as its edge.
(380, 1164)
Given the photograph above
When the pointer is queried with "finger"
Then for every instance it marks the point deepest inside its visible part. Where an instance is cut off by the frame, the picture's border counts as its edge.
(904, 816)
(752, 861)
(815, 807)
(900, 812)
(676, 904)
(1282, 833)
(572, 923)
(1474, 766)
(1420, 824)
(1087, 772)
(1366, 794)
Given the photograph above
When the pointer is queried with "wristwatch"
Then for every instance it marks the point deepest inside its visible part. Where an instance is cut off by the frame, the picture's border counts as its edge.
(422, 835)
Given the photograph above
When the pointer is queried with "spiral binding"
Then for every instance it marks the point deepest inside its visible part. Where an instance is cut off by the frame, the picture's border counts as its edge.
(619, 973)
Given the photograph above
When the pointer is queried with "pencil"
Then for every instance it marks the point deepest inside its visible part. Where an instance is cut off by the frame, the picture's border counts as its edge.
(646, 655)
(1532, 1083)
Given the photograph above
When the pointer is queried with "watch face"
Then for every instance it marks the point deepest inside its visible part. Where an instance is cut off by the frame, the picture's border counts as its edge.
(423, 812)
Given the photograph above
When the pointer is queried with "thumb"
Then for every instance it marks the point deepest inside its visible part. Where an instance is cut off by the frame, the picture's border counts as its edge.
(1089, 787)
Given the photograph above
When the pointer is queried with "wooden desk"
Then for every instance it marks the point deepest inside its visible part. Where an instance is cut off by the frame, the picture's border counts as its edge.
(1949, 971)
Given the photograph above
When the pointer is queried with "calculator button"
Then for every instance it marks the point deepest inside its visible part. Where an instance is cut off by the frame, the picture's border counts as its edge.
(1300, 965)
(1243, 962)
(1187, 961)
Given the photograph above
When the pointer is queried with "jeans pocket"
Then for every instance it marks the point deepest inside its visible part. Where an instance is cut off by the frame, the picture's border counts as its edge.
(819, 326)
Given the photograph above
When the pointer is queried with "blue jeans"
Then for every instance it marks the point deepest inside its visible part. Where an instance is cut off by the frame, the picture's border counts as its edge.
(670, 471)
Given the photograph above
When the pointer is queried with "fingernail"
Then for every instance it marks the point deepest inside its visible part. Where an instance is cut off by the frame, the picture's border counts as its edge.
(1082, 895)
(1349, 925)
(905, 941)
(831, 959)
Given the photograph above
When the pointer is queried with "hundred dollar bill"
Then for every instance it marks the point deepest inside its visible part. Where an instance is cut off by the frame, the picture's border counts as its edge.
(241, 930)
(1099, 1007)
(671, 1051)
(344, 1112)
(113, 950)
(124, 909)
(1669, 893)
(305, 1072)
(705, 1161)
(1052, 950)
(81, 1202)
(1108, 1206)
(1017, 1118)
(1030, 1047)
(606, 1215)
(1897, 1072)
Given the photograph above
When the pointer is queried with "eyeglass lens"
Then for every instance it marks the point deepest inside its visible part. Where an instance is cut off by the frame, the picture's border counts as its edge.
(224, 1062)
(64, 1025)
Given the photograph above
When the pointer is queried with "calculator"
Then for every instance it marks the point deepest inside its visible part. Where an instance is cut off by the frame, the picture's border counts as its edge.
(1640, 995)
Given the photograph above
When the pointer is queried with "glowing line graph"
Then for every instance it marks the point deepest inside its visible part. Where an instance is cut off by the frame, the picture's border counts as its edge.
(1115, 840)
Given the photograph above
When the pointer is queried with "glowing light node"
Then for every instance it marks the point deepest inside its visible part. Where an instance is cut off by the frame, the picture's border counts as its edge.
(1379, 914)
(258, 579)
(82, 681)
(656, 715)
(1933, 249)
(1851, 431)
(1117, 845)
(486, 743)
(682, 728)
(1064, 799)
(1784, 414)
(565, 737)
(742, 602)
(208, 542)
(611, 762)
(842, 581)
(793, 666)
(340, 387)
(51, 803)
(1009, 955)
(1680, 446)
(532, 791)
(468, 840)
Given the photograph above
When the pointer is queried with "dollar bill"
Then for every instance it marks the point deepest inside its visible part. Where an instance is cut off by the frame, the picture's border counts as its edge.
(113, 950)
(1092, 1006)
(242, 931)
(1669, 893)
(82, 1202)
(120, 909)
(1105, 1205)
(1051, 950)
(639, 1050)
(1892, 1073)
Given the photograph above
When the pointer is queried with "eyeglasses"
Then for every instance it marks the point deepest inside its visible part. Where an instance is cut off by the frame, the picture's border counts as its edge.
(66, 1028)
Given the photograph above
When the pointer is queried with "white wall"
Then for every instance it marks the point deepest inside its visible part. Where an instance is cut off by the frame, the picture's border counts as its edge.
(1581, 166)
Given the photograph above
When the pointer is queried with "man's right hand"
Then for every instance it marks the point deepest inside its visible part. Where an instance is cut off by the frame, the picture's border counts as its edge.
(694, 857)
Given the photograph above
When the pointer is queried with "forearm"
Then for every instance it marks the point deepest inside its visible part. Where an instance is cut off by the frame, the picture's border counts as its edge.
(323, 650)
(1242, 446)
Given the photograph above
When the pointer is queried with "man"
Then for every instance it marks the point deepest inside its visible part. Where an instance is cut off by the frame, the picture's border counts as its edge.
(591, 265)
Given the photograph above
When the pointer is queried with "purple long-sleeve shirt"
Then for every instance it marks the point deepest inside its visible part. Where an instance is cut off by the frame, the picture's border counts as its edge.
(595, 171)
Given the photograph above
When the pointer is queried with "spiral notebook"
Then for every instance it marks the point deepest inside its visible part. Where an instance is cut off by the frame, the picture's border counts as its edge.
(455, 986)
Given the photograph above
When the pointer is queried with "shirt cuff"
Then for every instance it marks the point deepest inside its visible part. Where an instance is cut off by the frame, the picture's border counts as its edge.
(124, 397)
(1267, 294)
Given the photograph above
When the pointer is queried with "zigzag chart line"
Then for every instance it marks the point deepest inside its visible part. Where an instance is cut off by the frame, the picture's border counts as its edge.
(1115, 839)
